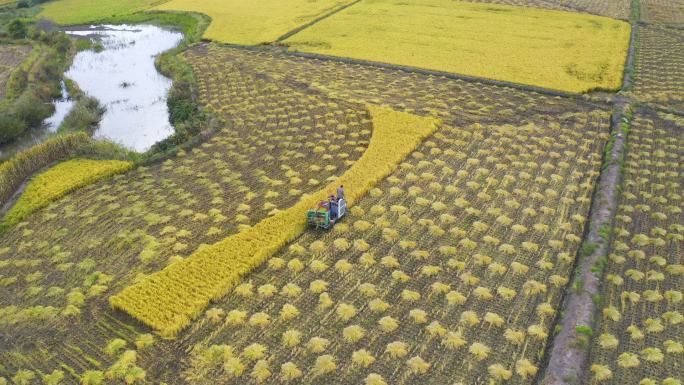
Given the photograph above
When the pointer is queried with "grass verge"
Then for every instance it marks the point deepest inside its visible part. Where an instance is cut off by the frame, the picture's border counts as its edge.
(168, 300)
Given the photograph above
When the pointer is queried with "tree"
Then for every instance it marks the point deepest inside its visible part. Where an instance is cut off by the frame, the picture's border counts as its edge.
(17, 29)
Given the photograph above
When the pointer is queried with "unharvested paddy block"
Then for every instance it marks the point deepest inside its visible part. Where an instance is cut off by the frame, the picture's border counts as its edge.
(552, 49)
(254, 22)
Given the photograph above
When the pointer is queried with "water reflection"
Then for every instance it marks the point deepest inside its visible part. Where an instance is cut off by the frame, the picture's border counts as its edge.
(123, 78)
(62, 107)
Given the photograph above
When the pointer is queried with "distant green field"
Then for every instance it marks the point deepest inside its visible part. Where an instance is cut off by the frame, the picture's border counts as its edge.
(85, 11)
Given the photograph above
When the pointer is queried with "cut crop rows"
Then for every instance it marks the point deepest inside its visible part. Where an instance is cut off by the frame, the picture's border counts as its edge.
(639, 338)
(619, 9)
(660, 66)
(58, 265)
(451, 271)
(169, 300)
(662, 11)
(456, 102)
(99, 239)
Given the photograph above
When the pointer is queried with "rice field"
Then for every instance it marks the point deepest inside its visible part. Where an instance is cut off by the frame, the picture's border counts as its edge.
(459, 103)
(62, 263)
(469, 204)
(662, 11)
(560, 50)
(70, 12)
(452, 270)
(254, 22)
(58, 181)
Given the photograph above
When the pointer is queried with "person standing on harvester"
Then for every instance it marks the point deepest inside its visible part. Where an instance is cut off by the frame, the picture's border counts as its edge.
(340, 192)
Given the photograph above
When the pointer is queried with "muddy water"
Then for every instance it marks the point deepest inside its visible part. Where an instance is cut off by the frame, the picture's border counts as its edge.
(123, 78)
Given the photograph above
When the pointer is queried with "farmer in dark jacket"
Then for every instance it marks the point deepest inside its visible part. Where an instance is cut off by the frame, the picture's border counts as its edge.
(332, 205)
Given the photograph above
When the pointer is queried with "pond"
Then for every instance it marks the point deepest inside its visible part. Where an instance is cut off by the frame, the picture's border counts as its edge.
(124, 79)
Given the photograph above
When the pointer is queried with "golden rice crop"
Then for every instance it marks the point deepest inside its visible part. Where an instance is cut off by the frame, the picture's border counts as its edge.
(254, 22)
(60, 180)
(16, 169)
(560, 50)
(86, 11)
(168, 303)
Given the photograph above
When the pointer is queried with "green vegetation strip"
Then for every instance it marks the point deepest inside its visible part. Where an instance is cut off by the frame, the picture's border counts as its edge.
(58, 181)
(168, 300)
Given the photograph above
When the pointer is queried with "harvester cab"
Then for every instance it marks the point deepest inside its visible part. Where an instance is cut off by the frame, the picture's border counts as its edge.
(326, 215)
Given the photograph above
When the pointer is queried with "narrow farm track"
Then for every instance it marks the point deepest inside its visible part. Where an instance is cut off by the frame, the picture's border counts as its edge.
(578, 353)
(569, 353)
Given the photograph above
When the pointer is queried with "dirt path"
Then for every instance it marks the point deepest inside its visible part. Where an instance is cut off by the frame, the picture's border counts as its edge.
(569, 352)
